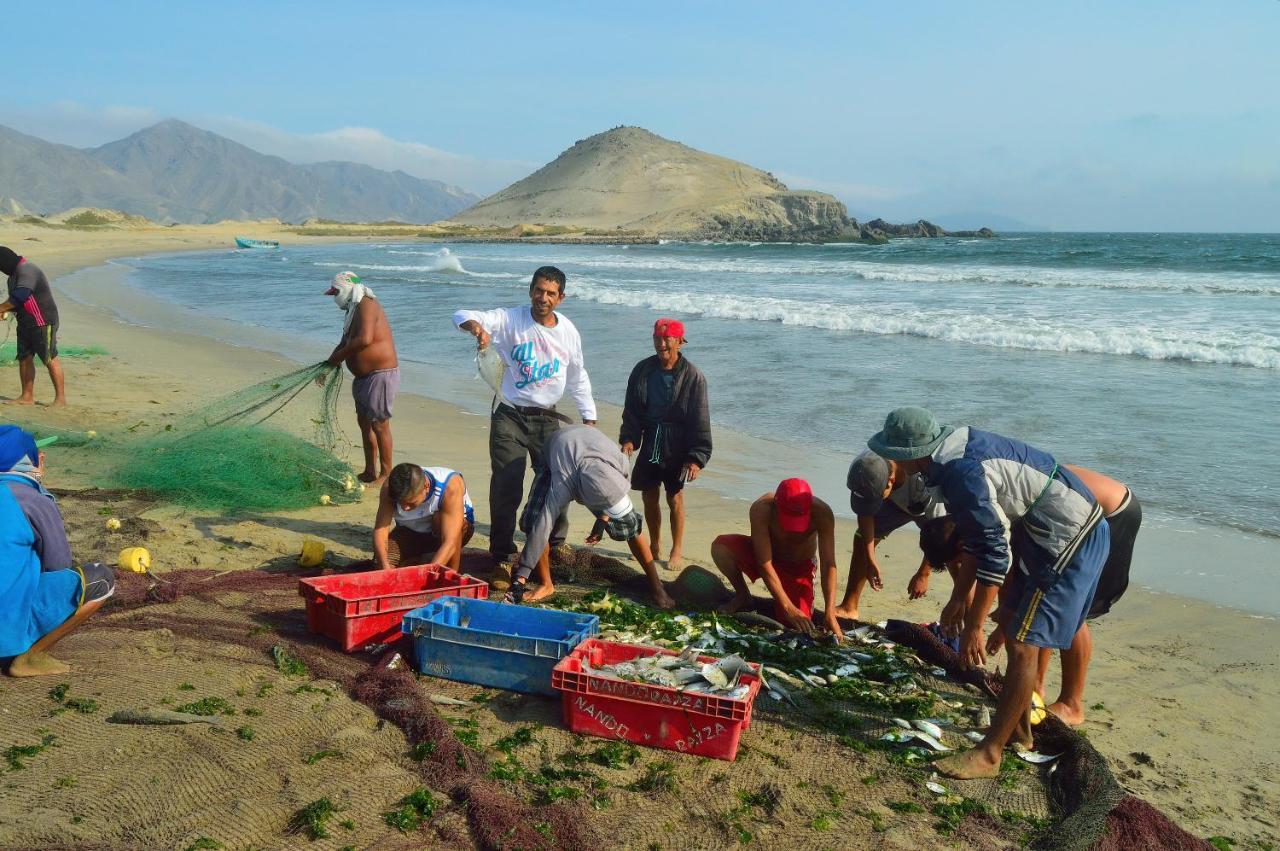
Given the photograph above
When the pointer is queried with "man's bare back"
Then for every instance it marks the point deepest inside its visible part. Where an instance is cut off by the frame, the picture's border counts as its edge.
(380, 353)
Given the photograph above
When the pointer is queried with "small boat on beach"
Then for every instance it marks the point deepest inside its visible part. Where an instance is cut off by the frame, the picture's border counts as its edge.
(245, 242)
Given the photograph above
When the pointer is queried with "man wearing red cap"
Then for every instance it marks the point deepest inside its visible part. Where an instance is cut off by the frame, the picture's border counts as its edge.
(666, 415)
(789, 527)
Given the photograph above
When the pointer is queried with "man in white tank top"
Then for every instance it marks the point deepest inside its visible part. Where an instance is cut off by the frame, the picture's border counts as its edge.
(433, 516)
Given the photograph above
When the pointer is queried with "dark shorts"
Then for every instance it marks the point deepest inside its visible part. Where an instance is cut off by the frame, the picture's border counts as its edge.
(796, 579)
(647, 475)
(1051, 617)
(407, 548)
(97, 582)
(1115, 573)
(375, 393)
(41, 342)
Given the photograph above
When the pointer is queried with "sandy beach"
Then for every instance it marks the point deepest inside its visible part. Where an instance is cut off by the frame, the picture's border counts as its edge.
(1183, 694)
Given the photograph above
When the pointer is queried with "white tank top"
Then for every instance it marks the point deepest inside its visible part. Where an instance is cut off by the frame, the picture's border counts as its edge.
(419, 519)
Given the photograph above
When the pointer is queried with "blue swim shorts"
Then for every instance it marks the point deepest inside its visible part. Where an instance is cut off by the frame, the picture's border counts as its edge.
(1051, 617)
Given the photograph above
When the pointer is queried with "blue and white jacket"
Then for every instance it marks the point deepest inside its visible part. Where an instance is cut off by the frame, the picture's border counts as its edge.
(993, 485)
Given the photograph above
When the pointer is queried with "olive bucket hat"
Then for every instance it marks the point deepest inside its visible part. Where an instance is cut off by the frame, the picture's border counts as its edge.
(909, 433)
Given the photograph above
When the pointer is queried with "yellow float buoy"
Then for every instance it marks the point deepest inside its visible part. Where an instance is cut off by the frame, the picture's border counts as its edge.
(325, 499)
(135, 559)
(1038, 712)
(312, 554)
(113, 525)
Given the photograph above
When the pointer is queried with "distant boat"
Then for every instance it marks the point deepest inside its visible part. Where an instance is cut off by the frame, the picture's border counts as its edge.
(245, 242)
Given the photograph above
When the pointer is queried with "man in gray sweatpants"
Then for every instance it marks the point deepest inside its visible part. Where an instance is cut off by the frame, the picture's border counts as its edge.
(579, 464)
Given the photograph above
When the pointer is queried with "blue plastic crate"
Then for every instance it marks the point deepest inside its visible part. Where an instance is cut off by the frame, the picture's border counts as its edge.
(495, 644)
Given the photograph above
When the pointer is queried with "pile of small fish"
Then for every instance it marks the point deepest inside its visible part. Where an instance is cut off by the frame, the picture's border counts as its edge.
(684, 672)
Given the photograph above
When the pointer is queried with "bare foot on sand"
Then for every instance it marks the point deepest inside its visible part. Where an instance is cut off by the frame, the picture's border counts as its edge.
(1072, 716)
(738, 602)
(675, 561)
(968, 765)
(367, 476)
(21, 401)
(31, 664)
(58, 403)
(663, 599)
(846, 612)
(541, 592)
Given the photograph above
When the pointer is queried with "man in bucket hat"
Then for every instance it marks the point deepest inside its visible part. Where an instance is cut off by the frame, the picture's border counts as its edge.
(667, 419)
(1005, 496)
(580, 464)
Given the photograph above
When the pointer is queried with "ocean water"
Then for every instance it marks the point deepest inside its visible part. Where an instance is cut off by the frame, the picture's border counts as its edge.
(1154, 358)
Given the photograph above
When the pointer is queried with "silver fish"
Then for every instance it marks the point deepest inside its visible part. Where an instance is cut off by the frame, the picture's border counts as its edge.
(897, 736)
(813, 680)
(984, 717)
(938, 672)
(928, 727)
(776, 696)
(445, 700)
(974, 736)
(848, 670)
(931, 742)
(1037, 758)
(935, 788)
(901, 722)
(785, 677)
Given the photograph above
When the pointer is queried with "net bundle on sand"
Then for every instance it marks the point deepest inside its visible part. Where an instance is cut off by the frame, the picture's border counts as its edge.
(268, 447)
(1095, 813)
(497, 821)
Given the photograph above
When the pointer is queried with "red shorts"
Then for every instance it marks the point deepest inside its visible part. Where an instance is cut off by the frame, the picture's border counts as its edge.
(796, 578)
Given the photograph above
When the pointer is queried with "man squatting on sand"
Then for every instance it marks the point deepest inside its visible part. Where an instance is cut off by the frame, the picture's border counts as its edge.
(999, 492)
(31, 298)
(788, 528)
(666, 415)
(433, 515)
(370, 354)
(579, 463)
(44, 596)
(875, 495)
(542, 352)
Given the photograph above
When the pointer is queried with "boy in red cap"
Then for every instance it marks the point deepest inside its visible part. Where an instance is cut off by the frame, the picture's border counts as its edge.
(667, 418)
(789, 527)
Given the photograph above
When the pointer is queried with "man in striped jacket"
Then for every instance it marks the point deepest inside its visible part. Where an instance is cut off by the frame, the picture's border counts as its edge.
(1005, 496)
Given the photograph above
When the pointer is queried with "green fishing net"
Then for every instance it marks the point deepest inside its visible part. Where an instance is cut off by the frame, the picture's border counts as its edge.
(268, 447)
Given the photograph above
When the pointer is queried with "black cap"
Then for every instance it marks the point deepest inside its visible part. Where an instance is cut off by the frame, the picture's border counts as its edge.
(868, 478)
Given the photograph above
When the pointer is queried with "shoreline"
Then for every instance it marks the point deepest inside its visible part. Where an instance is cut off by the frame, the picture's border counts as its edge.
(1188, 685)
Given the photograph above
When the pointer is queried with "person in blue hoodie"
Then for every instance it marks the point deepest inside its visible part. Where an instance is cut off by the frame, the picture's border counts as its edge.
(1023, 522)
(44, 595)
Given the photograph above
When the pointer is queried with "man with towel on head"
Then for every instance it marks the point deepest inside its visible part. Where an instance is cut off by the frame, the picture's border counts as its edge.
(370, 353)
(44, 596)
(30, 297)
(580, 464)
(1023, 521)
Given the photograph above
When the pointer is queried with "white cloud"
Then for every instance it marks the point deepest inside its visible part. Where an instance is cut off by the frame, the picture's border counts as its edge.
(71, 123)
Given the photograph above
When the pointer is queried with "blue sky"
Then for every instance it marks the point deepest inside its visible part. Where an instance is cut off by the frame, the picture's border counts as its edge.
(1098, 116)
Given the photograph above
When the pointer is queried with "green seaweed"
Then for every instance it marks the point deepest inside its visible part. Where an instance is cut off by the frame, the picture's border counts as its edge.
(411, 811)
(327, 753)
(313, 819)
(208, 706)
(15, 754)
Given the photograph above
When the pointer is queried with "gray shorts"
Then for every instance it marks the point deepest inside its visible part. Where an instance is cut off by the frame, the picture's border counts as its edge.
(375, 393)
(97, 582)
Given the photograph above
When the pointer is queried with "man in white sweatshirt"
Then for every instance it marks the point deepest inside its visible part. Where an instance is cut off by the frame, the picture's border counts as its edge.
(543, 355)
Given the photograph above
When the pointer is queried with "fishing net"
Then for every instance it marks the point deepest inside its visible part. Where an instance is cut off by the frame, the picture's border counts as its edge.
(268, 447)
(9, 351)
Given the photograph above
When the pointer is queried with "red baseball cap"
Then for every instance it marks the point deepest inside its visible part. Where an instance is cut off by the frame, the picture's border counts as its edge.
(669, 328)
(794, 499)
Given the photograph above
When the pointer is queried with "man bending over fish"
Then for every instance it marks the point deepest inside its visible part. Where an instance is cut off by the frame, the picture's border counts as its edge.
(789, 527)
(580, 464)
(1000, 492)
(433, 515)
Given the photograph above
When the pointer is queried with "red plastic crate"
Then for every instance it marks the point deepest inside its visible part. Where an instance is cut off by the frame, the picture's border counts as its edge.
(652, 715)
(357, 609)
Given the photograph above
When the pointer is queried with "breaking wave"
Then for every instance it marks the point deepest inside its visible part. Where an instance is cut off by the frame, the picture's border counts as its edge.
(443, 260)
(1231, 347)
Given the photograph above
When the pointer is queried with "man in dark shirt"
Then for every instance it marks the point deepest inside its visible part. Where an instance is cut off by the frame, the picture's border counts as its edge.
(30, 297)
(666, 416)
